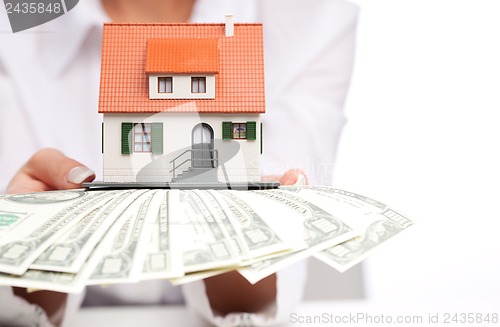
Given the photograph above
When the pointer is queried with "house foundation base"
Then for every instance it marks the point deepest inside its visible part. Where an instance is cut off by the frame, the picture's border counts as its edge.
(184, 185)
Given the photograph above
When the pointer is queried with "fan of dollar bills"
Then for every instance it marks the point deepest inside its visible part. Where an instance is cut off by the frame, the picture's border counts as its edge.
(65, 240)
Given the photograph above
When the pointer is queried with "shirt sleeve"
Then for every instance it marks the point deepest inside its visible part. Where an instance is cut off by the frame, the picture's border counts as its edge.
(309, 61)
(290, 286)
(72, 306)
(309, 54)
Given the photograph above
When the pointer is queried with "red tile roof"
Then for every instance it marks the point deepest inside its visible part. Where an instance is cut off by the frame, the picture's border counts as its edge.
(182, 56)
(126, 58)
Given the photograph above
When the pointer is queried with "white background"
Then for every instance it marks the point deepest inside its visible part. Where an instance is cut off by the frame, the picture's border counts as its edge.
(423, 135)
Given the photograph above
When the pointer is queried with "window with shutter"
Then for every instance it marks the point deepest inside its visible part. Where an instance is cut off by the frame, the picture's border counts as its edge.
(142, 137)
(240, 131)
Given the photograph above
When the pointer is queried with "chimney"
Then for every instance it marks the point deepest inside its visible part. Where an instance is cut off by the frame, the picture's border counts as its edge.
(229, 25)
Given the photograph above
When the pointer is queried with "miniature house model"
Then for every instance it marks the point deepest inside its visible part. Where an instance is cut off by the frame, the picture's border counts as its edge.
(182, 102)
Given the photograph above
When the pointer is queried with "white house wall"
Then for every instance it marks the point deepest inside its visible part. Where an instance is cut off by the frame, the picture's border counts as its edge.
(177, 133)
(181, 87)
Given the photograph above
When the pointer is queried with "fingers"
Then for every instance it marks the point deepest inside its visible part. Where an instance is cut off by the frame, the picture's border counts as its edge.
(270, 178)
(301, 180)
(291, 177)
(53, 168)
(50, 169)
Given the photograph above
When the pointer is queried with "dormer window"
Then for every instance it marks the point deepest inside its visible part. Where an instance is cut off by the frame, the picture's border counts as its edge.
(198, 85)
(164, 84)
(191, 64)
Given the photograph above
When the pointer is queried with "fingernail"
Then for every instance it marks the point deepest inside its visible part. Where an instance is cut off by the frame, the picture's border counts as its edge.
(301, 180)
(78, 174)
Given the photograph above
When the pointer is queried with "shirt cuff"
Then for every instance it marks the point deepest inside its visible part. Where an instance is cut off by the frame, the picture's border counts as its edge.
(290, 289)
(16, 311)
(73, 304)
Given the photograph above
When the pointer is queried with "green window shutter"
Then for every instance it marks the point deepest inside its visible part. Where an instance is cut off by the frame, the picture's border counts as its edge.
(157, 138)
(127, 138)
(227, 130)
(102, 138)
(251, 130)
(261, 149)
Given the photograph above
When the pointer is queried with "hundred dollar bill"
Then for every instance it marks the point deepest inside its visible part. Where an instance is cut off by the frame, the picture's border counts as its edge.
(164, 257)
(381, 224)
(124, 248)
(44, 217)
(318, 228)
(70, 252)
(205, 245)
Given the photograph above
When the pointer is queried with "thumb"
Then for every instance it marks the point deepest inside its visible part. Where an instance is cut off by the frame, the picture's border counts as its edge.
(50, 169)
(293, 177)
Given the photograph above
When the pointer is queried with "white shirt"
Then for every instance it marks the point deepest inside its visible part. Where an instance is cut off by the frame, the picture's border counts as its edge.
(49, 84)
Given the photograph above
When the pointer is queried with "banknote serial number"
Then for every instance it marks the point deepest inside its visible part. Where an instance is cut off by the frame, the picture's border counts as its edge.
(470, 318)
(33, 8)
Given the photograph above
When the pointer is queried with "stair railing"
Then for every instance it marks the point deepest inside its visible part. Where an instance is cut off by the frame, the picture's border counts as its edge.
(214, 159)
